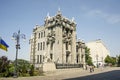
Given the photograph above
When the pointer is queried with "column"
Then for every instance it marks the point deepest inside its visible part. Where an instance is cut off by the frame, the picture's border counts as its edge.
(69, 49)
(79, 53)
(64, 53)
(73, 50)
(53, 52)
(83, 58)
(48, 53)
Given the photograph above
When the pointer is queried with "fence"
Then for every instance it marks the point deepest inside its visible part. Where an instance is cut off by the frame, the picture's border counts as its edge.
(64, 66)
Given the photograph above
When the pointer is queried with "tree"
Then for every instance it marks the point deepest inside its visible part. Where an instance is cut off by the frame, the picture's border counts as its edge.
(118, 61)
(88, 58)
(110, 60)
(107, 59)
(113, 60)
(5, 67)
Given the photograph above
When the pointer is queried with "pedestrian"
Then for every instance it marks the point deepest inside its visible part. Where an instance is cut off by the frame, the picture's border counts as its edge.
(86, 67)
(90, 69)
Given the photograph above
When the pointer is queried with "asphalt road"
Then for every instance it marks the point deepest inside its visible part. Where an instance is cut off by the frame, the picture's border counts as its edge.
(110, 75)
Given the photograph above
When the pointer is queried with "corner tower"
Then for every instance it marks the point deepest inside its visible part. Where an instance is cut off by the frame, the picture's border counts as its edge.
(61, 38)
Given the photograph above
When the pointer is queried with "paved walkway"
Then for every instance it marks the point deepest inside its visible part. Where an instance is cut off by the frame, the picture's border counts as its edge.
(65, 74)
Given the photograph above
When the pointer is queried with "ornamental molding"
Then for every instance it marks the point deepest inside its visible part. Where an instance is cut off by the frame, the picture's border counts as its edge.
(60, 20)
(51, 37)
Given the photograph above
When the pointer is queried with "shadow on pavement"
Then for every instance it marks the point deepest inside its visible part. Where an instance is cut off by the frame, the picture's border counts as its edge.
(111, 75)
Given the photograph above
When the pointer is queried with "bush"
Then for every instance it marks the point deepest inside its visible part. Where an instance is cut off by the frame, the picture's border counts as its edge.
(23, 68)
(31, 70)
(6, 67)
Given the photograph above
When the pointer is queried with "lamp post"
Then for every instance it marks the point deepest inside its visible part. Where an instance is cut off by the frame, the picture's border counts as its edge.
(16, 37)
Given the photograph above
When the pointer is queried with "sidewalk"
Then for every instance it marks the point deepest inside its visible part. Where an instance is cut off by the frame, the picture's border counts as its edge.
(65, 74)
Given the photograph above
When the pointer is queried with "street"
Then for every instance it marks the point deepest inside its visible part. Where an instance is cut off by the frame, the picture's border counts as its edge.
(108, 73)
(111, 75)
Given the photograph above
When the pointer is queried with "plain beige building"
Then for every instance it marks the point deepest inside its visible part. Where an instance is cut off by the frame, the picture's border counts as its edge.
(55, 41)
(98, 51)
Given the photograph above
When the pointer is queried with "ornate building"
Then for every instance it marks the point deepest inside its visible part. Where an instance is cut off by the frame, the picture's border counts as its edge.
(80, 51)
(55, 41)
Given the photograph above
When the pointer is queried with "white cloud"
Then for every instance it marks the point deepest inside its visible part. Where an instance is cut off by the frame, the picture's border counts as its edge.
(110, 18)
(113, 19)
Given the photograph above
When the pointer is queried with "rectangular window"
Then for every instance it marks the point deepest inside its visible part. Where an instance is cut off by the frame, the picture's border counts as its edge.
(38, 46)
(66, 46)
(44, 33)
(41, 46)
(37, 58)
(51, 56)
(76, 49)
(40, 58)
(39, 35)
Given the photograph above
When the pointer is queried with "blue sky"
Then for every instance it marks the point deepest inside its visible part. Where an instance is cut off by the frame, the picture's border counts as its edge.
(96, 19)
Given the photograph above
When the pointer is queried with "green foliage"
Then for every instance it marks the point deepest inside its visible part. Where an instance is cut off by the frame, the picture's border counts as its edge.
(23, 67)
(107, 59)
(5, 67)
(88, 58)
(113, 60)
(110, 60)
(31, 70)
(118, 61)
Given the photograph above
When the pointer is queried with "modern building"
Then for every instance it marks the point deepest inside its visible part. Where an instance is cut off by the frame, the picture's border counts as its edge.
(98, 52)
(55, 41)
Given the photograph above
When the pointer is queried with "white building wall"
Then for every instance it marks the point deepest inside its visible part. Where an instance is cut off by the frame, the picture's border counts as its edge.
(98, 51)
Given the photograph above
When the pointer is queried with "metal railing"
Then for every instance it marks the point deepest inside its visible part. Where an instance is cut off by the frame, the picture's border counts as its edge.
(65, 66)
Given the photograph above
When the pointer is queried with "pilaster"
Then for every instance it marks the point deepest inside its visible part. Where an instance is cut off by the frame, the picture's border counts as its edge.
(73, 52)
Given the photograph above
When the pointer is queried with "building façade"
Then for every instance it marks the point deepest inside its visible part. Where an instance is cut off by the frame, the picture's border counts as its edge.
(55, 41)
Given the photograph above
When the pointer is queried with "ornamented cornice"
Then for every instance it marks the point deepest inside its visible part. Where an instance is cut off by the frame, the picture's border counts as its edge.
(81, 45)
(60, 20)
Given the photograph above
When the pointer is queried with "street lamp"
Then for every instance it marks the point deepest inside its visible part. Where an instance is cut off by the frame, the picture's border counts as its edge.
(16, 37)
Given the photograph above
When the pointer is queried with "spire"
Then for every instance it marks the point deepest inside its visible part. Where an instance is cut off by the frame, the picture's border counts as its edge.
(73, 19)
(48, 16)
(59, 11)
